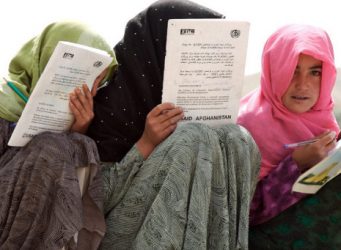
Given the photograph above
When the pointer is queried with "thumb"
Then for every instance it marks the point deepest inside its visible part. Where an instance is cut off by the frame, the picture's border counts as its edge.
(327, 138)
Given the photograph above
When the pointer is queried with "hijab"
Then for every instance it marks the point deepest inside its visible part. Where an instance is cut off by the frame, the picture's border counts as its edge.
(262, 112)
(121, 108)
(28, 64)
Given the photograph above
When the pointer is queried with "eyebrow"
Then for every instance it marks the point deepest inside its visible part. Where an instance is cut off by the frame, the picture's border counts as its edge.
(312, 67)
(316, 67)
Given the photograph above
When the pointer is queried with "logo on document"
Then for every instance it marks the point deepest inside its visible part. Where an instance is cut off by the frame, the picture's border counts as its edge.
(68, 55)
(187, 31)
(235, 33)
(98, 64)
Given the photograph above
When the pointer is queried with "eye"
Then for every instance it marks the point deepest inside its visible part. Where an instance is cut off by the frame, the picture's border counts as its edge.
(316, 72)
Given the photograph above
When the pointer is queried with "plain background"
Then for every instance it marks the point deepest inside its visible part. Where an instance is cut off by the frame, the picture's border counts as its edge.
(20, 20)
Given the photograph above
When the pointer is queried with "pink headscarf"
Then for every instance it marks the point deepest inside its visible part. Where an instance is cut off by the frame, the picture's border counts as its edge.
(262, 112)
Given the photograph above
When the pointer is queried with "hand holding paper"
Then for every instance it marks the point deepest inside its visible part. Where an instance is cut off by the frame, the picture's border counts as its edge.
(47, 108)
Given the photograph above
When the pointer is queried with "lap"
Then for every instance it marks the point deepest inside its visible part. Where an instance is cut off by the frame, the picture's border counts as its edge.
(40, 196)
(313, 223)
(196, 177)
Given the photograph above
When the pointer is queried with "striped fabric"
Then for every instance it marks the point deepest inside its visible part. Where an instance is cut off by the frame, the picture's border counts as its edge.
(193, 192)
(40, 201)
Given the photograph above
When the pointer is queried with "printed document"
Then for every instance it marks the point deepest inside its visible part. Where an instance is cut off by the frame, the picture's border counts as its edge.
(320, 174)
(204, 68)
(47, 109)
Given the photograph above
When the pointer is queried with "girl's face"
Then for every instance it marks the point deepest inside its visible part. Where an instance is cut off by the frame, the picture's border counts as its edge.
(304, 89)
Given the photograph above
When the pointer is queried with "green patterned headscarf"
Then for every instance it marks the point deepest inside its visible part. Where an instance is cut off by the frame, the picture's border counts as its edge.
(27, 66)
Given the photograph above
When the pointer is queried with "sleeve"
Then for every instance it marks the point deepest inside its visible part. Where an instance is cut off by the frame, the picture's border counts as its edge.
(6, 130)
(117, 176)
(273, 193)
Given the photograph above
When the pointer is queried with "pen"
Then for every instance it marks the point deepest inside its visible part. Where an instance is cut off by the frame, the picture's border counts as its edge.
(298, 144)
(16, 90)
(106, 83)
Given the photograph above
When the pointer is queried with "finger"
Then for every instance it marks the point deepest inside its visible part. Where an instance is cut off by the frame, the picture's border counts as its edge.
(170, 114)
(94, 88)
(74, 110)
(78, 107)
(81, 115)
(88, 96)
(323, 134)
(331, 145)
(167, 131)
(175, 118)
(83, 100)
(159, 109)
(170, 123)
(328, 138)
(98, 80)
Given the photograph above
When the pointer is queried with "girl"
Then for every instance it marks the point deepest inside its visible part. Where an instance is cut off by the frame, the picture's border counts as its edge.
(292, 104)
(41, 205)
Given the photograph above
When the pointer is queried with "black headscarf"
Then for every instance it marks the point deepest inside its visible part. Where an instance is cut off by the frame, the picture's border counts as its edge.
(121, 108)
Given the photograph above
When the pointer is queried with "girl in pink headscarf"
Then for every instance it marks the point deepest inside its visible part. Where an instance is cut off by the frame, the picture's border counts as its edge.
(292, 104)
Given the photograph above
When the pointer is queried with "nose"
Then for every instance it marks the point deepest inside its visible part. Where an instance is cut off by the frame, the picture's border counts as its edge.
(302, 82)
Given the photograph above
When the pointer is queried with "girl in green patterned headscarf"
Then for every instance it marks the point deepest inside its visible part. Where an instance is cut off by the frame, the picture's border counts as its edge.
(27, 66)
(41, 205)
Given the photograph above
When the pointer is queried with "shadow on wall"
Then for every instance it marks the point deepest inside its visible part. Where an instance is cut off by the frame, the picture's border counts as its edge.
(252, 81)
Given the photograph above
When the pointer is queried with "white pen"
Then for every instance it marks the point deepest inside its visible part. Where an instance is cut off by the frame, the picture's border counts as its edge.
(298, 144)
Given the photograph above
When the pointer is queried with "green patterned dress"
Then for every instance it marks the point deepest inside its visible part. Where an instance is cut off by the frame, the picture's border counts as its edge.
(193, 192)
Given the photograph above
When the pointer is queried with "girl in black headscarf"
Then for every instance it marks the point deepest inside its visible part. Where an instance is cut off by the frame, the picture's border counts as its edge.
(136, 88)
(190, 187)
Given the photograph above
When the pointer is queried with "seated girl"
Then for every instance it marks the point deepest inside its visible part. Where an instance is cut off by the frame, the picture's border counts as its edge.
(293, 104)
(179, 186)
(41, 205)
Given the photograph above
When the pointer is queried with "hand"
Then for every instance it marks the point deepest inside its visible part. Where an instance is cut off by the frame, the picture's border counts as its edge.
(98, 80)
(309, 155)
(81, 105)
(160, 123)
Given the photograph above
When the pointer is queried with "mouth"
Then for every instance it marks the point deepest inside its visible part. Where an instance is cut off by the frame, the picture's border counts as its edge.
(299, 98)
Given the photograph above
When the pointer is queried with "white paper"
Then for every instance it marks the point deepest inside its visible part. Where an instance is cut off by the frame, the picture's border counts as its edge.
(204, 68)
(47, 109)
(319, 175)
